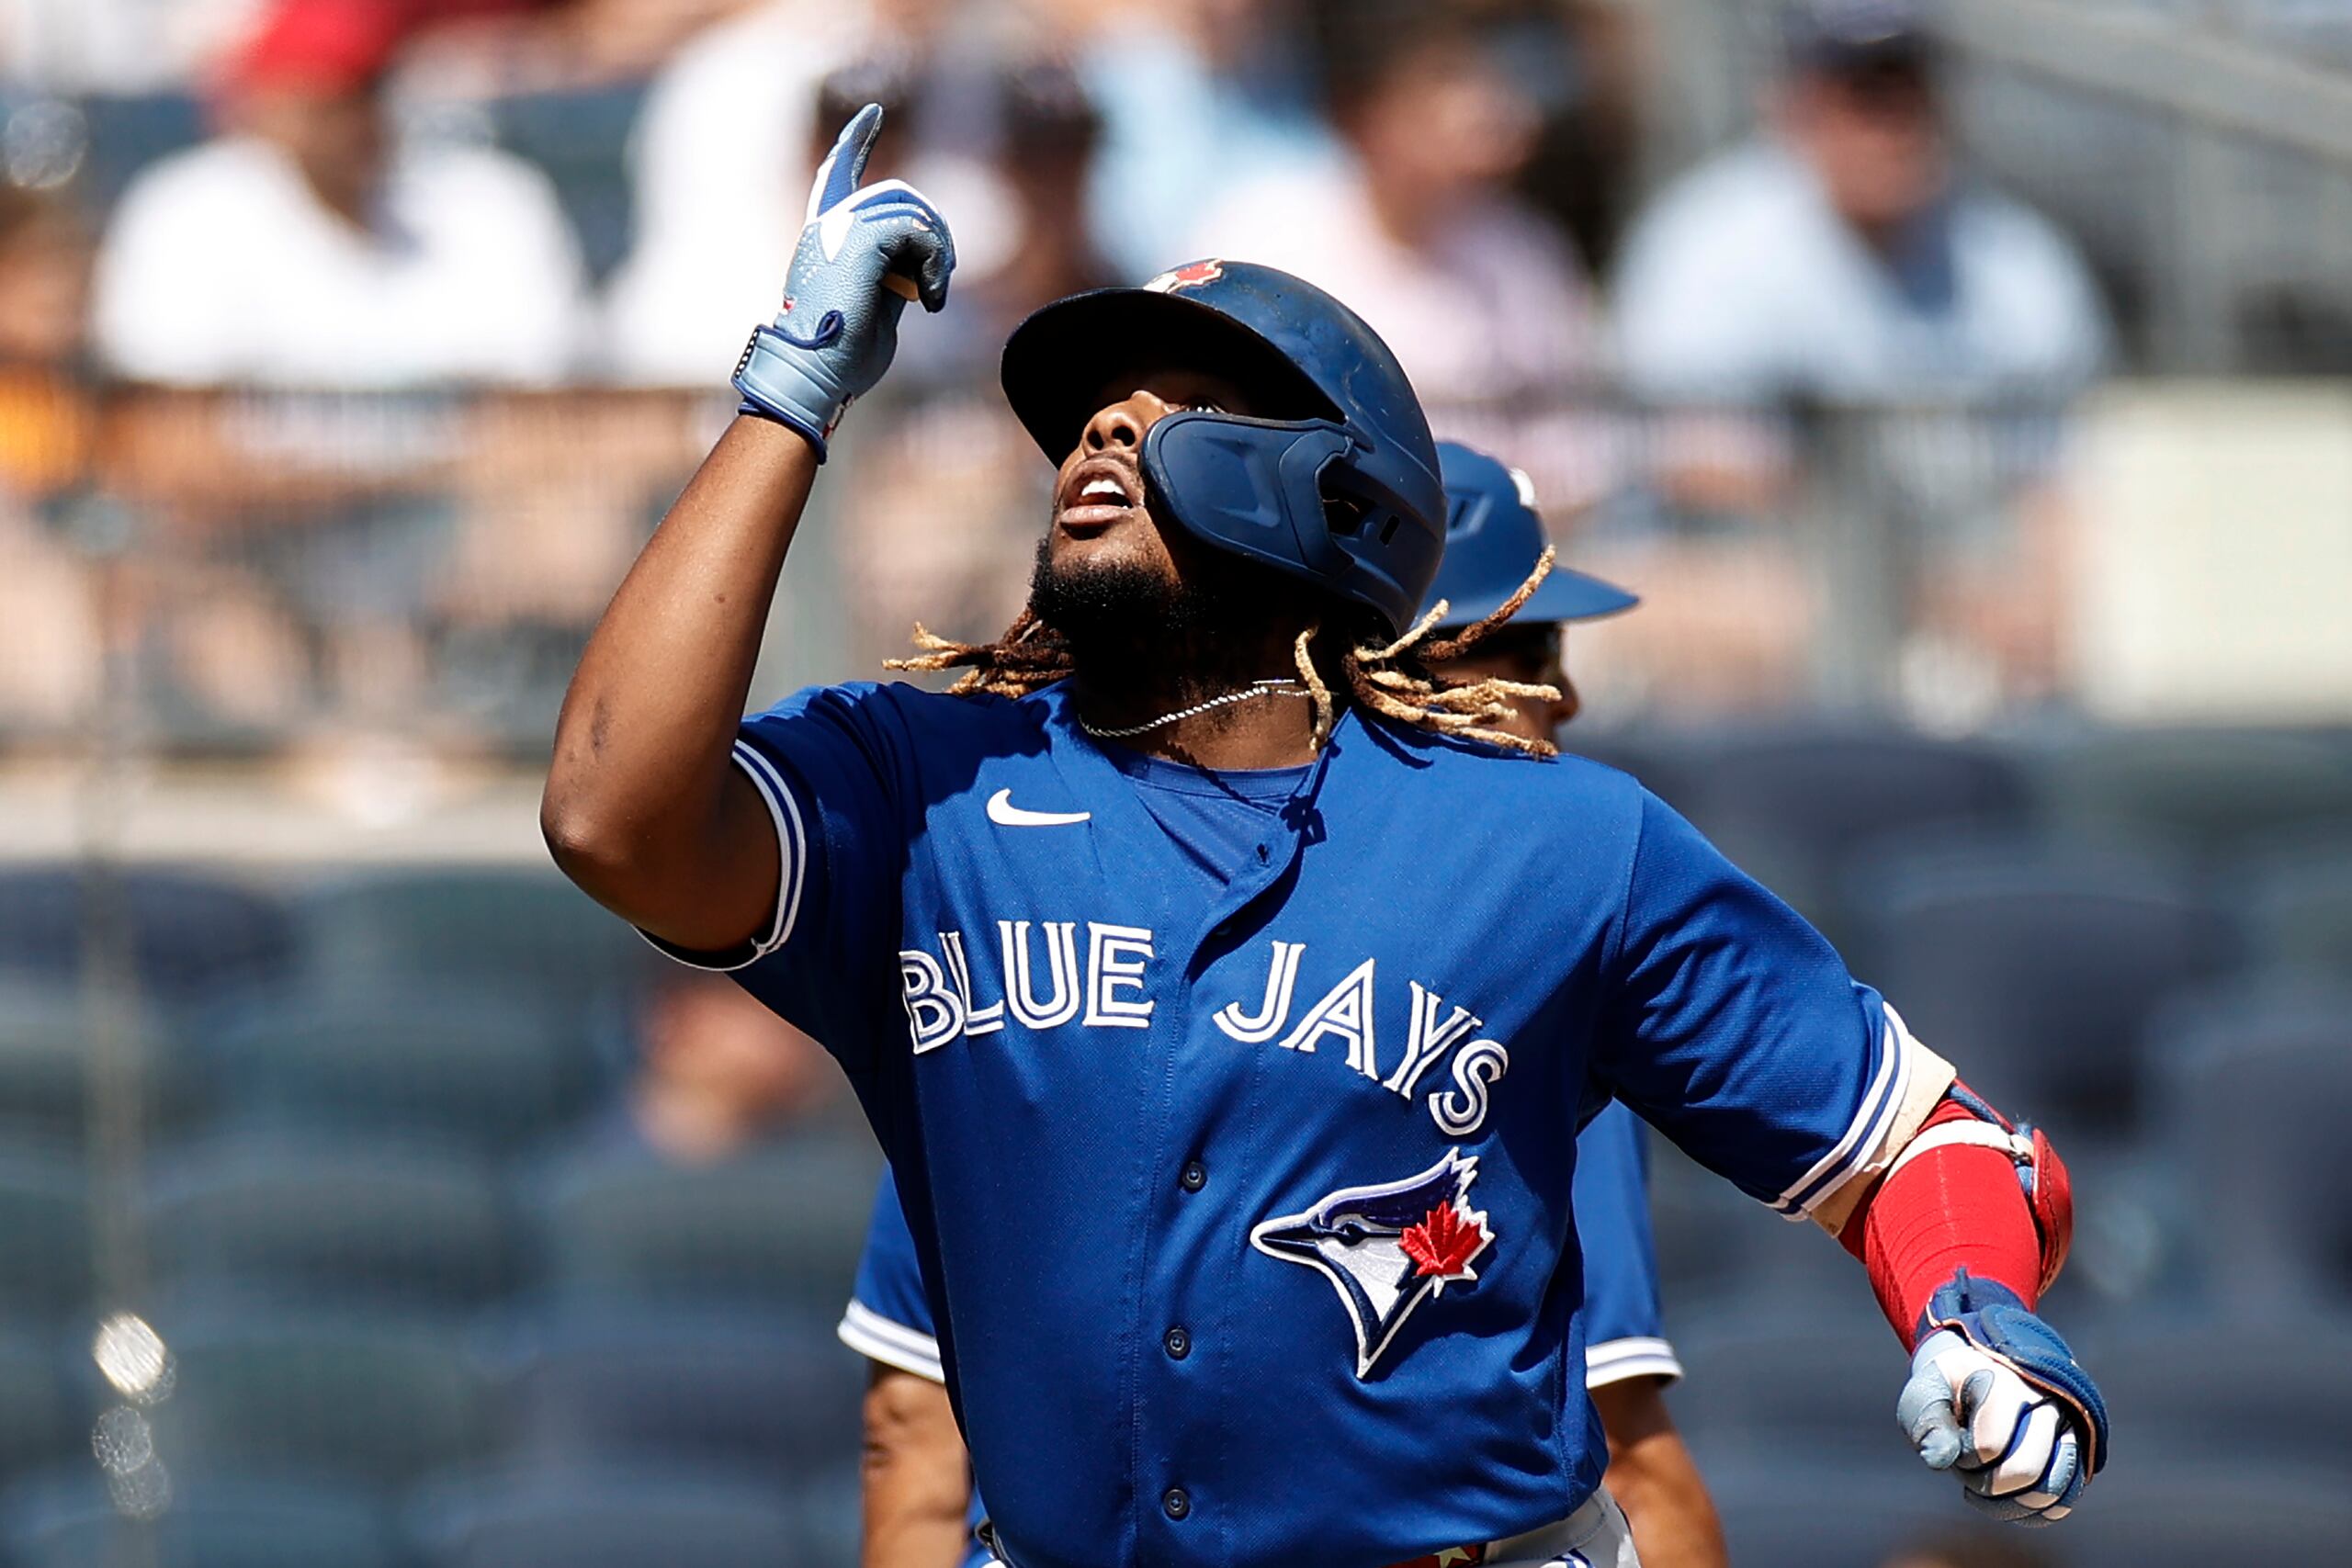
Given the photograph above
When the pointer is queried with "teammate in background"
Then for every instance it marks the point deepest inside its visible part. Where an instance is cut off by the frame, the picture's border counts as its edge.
(917, 1502)
(1249, 1209)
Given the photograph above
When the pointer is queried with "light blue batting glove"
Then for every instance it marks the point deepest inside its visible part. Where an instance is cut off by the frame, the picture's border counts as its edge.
(1997, 1397)
(864, 253)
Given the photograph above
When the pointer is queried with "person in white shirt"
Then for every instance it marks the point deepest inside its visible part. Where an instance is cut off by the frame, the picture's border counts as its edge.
(1481, 296)
(1842, 257)
(308, 247)
(718, 166)
(1931, 330)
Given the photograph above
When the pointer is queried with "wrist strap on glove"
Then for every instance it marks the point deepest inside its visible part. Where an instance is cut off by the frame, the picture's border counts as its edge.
(774, 384)
(1989, 1317)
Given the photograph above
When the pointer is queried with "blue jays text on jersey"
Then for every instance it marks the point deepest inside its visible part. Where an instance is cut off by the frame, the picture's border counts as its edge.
(1247, 1207)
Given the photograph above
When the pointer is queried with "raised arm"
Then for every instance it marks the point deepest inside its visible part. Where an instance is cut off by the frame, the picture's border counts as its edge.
(642, 807)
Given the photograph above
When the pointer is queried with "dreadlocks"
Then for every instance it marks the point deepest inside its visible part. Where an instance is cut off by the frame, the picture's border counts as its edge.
(1395, 680)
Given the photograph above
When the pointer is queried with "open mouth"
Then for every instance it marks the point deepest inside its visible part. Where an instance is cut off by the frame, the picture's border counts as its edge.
(1103, 495)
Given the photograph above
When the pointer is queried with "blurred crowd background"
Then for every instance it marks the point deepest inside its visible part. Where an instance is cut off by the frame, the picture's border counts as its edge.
(1966, 388)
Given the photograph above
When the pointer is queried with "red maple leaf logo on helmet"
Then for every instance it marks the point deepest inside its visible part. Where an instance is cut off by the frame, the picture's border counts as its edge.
(1445, 1241)
(1191, 274)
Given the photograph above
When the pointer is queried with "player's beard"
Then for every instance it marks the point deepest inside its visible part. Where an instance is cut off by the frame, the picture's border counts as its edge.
(1132, 629)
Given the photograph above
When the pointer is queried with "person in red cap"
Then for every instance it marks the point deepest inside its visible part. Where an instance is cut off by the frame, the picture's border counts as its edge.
(308, 81)
(307, 245)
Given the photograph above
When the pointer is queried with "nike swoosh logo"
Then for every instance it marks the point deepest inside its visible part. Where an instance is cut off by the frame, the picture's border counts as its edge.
(1004, 814)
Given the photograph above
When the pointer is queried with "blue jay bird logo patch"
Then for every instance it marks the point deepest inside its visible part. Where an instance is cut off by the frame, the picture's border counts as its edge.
(1387, 1248)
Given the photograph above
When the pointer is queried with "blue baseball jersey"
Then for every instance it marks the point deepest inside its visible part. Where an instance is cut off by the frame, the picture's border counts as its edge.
(1243, 1190)
(889, 1318)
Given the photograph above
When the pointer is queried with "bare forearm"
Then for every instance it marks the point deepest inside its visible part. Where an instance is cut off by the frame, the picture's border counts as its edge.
(916, 1485)
(1655, 1480)
(643, 809)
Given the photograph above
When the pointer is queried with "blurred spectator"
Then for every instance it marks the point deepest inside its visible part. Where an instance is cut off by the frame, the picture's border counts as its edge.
(307, 247)
(1189, 91)
(719, 166)
(483, 49)
(1043, 133)
(117, 46)
(296, 534)
(1839, 269)
(46, 602)
(1842, 255)
(720, 1073)
(44, 297)
(1480, 295)
(1581, 60)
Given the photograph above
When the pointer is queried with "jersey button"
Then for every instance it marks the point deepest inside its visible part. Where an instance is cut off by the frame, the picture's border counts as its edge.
(1178, 1342)
(1193, 1177)
(1263, 853)
(1174, 1503)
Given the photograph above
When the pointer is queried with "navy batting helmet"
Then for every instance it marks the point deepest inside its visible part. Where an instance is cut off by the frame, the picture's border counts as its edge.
(1493, 538)
(1345, 493)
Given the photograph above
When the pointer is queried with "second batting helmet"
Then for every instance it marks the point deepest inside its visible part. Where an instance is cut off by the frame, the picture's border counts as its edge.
(1493, 538)
(1344, 492)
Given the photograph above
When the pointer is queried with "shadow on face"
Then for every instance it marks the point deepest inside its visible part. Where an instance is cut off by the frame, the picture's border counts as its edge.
(336, 136)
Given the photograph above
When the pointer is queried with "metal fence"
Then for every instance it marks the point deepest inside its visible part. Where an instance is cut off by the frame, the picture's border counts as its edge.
(246, 573)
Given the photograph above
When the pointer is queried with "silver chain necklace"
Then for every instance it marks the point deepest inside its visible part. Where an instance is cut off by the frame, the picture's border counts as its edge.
(1278, 688)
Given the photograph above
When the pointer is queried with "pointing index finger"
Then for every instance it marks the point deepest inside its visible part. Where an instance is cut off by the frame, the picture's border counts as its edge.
(844, 165)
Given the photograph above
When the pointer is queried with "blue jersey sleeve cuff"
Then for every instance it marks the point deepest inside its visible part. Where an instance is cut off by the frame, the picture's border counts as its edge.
(792, 871)
(878, 1338)
(1619, 1361)
(1903, 1091)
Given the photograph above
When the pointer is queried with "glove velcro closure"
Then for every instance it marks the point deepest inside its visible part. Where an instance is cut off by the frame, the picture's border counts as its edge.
(1994, 1322)
(773, 383)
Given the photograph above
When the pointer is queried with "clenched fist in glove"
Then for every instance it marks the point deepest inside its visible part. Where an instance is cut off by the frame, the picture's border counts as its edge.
(864, 251)
(1996, 1396)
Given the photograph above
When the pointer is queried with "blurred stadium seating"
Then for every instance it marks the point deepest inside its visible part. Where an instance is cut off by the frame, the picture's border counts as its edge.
(599, 1519)
(747, 1393)
(458, 1062)
(2036, 964)
(2252, 1084)
(62, 1524)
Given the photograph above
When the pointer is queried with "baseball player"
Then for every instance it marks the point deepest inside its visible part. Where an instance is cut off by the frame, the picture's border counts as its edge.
(917, 1502)
(1226, 987)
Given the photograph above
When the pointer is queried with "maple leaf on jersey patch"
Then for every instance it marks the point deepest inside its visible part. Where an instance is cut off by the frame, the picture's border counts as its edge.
(1445, 1241)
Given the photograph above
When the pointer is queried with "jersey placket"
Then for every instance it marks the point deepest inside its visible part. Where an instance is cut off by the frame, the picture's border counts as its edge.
(1175, 1393)
(1182, 1400)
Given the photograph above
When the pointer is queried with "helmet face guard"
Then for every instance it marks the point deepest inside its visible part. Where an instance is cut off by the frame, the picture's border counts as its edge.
(1277, 492)
(1346, 494)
